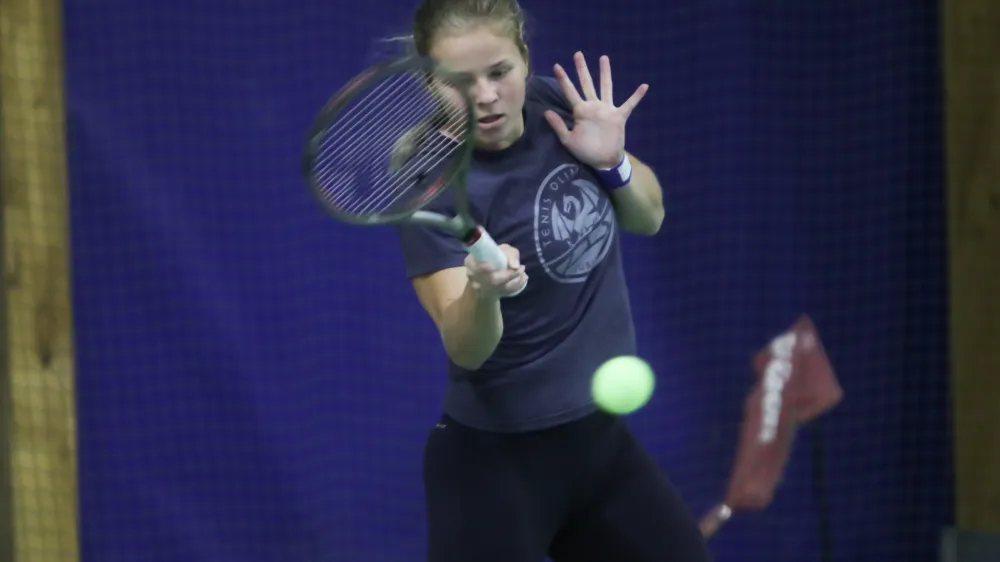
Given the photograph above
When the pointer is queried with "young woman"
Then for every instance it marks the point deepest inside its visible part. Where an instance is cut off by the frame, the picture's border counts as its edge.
(522, 465)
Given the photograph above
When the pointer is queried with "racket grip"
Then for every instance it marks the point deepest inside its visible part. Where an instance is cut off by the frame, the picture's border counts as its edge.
(486, 250)
(715, 519)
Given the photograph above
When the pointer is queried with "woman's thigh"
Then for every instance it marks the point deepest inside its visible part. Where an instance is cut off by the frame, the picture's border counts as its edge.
(487, 498)
(637, 515)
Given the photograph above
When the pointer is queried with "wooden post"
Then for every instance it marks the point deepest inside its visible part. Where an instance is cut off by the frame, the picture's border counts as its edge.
(37, 372)
(971, 42)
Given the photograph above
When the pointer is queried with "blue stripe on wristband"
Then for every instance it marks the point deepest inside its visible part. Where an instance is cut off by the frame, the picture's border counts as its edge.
(619, 176)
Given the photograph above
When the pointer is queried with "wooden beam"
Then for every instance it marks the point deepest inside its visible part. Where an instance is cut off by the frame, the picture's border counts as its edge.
(38, 370)
(971, 44)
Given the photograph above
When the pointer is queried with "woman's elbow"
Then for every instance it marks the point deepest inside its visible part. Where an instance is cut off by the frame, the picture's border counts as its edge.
(648, 224)
(468, 359)
(655, 221)
(467, 350)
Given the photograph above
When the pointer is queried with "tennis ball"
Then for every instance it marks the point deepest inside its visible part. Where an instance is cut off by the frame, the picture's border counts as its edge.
(623, 384)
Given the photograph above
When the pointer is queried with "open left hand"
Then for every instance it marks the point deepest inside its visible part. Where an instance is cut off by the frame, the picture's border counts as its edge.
(598, 135)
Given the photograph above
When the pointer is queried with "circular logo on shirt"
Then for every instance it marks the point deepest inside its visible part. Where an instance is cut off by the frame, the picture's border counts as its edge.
(574, 224)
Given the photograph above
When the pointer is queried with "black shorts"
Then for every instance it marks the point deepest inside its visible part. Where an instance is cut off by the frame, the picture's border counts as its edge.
(586, 491)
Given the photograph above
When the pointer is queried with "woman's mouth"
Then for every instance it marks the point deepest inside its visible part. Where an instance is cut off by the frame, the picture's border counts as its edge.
(488, 122)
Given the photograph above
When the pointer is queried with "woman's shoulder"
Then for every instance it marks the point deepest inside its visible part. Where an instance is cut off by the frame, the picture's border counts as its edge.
(546, 92)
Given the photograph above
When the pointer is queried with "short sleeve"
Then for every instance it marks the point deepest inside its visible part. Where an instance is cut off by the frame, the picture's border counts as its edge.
(547, 91)
(427, 249)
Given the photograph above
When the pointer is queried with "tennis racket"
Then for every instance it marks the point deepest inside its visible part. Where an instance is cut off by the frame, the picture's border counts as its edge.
(795, 384)
(390, 142)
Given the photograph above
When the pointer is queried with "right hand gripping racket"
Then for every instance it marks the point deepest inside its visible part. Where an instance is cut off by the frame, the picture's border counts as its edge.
(390, 142)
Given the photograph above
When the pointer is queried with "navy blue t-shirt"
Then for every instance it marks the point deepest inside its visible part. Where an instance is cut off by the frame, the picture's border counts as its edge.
(574, 313)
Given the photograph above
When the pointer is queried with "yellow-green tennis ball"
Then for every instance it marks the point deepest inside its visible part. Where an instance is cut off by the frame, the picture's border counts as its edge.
(623, 384)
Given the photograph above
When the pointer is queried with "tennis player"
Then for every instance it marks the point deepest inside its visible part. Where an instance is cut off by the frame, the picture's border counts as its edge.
(522, 465)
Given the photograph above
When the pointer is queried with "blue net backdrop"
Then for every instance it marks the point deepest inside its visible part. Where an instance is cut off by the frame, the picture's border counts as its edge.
(256, 381)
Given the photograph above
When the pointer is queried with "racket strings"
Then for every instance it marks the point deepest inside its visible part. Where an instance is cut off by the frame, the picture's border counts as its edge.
(354, 166)
(355, 123)
(342, 165)
(383, 195)
(429, 156)
(386, 198)
(338, 155)
(350, 126)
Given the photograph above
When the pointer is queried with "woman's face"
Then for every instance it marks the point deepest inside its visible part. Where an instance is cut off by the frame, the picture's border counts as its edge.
(491, 66)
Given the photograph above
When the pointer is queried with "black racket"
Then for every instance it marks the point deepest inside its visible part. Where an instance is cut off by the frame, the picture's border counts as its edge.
(390, 142)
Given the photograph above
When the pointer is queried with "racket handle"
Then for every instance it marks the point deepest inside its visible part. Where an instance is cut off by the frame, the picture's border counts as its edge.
(486, 250)
(714, 519)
